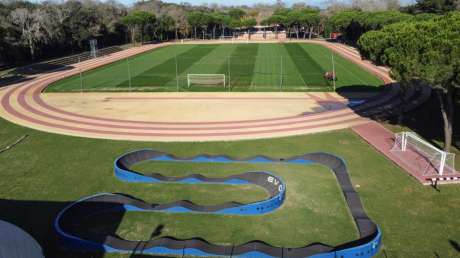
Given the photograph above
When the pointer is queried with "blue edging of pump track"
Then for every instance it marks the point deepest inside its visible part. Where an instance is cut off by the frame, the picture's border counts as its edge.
(72, 237)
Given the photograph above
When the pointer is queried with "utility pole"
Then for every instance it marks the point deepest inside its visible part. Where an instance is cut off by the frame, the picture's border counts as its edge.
(129, 73)
(281, 74)
(229, 75)
(177, 72)
(334, 76)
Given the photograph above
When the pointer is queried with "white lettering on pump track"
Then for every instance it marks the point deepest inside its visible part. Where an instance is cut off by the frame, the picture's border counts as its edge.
(276, 182)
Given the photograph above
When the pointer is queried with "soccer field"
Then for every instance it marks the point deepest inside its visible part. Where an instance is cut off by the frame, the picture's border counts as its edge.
(247, 67)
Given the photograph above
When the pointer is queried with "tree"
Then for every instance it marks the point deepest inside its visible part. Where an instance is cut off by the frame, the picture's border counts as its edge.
(226, 22)
(237, 13)
(143, 18)
(137, 20)
(426, 51)
(80, 23)
(194, 19)
(165, 24)
(34, 27)
(182, 26)
(310, 19)
(433, 6)
(248, 24)
(276, 21)
(214, 20)
(204, 22)
(235, 24)
(131, 22)
(347, 22)
(49, 29)
(3, 43)
(282, 11)
(354, 23)
(293, 20)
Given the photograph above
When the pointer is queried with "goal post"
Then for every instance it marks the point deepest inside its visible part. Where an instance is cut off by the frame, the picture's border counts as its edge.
(206, 79)
(433, 161)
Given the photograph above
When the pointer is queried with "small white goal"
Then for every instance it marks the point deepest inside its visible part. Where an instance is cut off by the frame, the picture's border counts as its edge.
(206, 79)
(429, 159)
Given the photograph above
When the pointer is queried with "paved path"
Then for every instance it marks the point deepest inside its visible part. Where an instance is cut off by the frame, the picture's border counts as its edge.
(412, 162)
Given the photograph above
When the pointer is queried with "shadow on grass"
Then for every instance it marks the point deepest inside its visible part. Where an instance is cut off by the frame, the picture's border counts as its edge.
(37, 219)
(13, 80)
(40, 68)
(344, 90)
(425, 120)
(455, 245)
(26, 73)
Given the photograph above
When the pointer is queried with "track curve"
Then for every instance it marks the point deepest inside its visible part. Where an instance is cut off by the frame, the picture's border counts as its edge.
(25, 105)
(67, 226)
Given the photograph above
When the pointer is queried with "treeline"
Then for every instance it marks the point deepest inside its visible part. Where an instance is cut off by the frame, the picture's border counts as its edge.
(300, 21)
(34, 31)
(353, 23)
(29, 31)
(213, 24)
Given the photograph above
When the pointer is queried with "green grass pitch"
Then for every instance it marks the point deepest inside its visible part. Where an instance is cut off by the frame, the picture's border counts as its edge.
(247, 67)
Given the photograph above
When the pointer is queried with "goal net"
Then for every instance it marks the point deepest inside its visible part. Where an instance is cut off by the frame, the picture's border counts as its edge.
(206, 79)
(426, 157)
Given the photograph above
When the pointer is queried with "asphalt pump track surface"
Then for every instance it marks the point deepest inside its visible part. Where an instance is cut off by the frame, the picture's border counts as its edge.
(72, 236)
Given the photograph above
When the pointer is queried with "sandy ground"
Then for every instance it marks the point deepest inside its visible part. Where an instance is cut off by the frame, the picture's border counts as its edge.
(189, 107)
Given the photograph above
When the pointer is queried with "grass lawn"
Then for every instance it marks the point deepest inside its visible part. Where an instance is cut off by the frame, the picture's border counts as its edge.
(247, 67)
(46, 171)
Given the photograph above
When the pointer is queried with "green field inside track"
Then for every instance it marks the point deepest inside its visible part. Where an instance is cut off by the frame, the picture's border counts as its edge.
(247, 67)
(46, 172)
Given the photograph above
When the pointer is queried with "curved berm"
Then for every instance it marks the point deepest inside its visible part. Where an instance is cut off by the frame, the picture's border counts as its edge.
(69, 229)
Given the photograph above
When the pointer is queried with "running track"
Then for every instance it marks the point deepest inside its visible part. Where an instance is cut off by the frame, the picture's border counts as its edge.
(23, 104)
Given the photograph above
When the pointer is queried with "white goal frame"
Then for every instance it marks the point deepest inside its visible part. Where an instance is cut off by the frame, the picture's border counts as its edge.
(442, 161)
(206, 79)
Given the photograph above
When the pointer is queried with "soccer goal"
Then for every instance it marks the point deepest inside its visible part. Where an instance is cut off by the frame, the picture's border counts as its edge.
(430, 160)
(206, 79)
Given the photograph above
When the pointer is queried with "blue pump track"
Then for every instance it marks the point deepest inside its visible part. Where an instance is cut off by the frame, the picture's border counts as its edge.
(67, 221)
